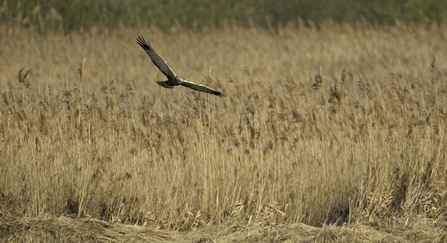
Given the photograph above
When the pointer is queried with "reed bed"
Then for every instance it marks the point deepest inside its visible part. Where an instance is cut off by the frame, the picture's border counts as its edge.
(342, 125)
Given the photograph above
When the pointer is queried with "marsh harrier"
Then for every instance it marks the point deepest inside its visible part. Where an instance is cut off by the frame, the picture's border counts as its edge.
(173, 79)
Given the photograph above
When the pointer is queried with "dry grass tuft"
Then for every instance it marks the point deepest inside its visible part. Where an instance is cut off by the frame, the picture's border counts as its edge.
(85, 230)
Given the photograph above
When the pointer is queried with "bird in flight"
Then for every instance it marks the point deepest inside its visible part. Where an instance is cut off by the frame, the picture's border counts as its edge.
(173, 79)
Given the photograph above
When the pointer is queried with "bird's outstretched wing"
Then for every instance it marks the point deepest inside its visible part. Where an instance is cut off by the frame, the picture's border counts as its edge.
(156, 59)
(202, 88)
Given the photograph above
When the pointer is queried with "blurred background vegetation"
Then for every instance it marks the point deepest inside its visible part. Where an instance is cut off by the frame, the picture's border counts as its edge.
(75, 15)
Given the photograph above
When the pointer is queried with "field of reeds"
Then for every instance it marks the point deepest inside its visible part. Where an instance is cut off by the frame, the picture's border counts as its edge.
(78, 15)
(329, 135)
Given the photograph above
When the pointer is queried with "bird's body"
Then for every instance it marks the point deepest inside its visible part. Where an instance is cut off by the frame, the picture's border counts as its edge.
(170, 83)
(173, 79)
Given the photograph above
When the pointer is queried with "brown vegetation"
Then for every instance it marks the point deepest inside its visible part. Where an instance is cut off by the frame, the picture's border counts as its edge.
(342, 126)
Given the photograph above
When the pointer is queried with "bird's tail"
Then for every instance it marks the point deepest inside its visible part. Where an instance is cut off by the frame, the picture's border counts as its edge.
(165, 84)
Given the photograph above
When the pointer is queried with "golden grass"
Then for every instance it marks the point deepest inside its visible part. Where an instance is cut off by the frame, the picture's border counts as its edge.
(359, 140)
(64, 229)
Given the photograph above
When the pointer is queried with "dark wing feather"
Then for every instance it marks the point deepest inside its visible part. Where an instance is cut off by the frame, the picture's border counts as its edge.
(202, 88)
(156, 59)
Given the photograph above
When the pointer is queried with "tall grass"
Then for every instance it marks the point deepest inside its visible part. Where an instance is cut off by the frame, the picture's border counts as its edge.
(359, 139)
(79, 15)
